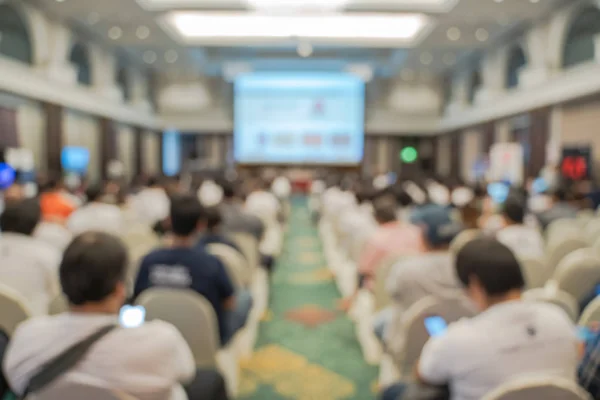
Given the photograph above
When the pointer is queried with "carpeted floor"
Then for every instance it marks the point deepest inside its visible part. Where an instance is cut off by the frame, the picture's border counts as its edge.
(306, 349)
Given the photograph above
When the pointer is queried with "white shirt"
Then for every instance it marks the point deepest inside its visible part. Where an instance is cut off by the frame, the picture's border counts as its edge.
(147, 363)
(30, 267)
(100, 217)
(281, 187)
(54, 234)
(522, 240)
(152, 205)
(210, 194)
(505, 342)
(263, 204)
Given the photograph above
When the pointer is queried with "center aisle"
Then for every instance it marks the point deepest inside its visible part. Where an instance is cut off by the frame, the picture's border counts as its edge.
(306, 350)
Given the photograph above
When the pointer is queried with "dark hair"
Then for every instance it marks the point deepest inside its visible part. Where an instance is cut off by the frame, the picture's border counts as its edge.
(384, 210)
(514, 208)
(561, 194)
(402, 197)
(21, 216)
(153, 181)
(492, 263)
(186, 212)
(91, 267)
(228, 190)
(94, 192)
(213, 218)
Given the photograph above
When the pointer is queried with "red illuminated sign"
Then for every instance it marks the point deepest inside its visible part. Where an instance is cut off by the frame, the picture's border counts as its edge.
(574, 167)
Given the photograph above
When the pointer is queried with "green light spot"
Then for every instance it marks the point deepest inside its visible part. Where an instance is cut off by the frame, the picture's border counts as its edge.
(409, 155)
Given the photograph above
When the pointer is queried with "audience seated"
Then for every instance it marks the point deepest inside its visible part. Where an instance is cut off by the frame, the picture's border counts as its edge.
(263, 203)
(514, 234)
(235, 219)
(509, 339)
(56, 203)
(214, 233)
(559, 208)
(152, 202)
(55, 234)
(96, 215)
(183, 265)
(27, 264)
(430, 273)
(148, 362)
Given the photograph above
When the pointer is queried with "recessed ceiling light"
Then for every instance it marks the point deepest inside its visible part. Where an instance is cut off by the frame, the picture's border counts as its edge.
(482, 35)
(293, 5)
(60, 1)
(407, 74)
(498, 1)
(449, 59)
(534, 1)
(115, 33)
(453, 33)
(93, 18)
(142, 32)
(150, 57)
(171, 56)
(426, 58)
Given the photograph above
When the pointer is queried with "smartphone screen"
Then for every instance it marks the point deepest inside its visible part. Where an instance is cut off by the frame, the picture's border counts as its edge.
(435, 326)
(584, 333)
(132, 316)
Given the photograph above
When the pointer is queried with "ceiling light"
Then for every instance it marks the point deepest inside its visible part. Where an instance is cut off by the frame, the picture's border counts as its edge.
(482, 35)
(60, 1)
(150, 57)
(449, 59)
(142, 32)
(245, 26)
(297, 5)
(498, 1)
(407, 74)
(305, 49)
(93, 18)
(426, 58)
(534, 1)
(171, 56)
(115, 33)
(453, 33)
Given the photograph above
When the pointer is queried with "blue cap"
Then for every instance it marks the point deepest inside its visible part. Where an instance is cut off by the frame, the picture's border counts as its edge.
(440, 227)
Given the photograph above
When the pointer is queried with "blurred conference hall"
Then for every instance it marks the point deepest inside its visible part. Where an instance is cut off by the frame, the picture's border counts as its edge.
(300, 200)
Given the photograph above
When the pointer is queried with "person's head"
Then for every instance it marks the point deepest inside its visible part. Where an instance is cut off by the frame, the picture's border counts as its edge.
(187, 215)
(14, 193)
(514, 209)
(53, 183)
(560, 195)
(402, 197)
(213, 219)
(153, 182)
(228, 191)
(439, 228)
(21, 217)
(94, 193)
(490, 272)
(384, 210)
(93, 273)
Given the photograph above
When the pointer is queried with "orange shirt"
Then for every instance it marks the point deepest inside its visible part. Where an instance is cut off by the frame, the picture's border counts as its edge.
(56, 206)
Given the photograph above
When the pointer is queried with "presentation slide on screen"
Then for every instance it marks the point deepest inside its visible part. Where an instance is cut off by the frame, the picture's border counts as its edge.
(171, 150)
(297, 118)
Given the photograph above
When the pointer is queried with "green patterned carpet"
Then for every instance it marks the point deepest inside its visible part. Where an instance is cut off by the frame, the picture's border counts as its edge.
(306, 350)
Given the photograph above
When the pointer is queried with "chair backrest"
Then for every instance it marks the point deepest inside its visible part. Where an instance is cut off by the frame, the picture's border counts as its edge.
(58, 305)
(558, 249)
(551, 294)
(189, 312)
(536, 271)
(592, 230)
(591, 313)
(451, 309)
(546, 388)
(380, 294)
(578, 273)
(139, 240)
(13, 310)
(237, 268)
(249, 246)
(463, 238)
(558, 229)
(65, 389)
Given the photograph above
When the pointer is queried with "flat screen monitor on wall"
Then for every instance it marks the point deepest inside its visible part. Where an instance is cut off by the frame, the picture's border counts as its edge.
(299, 118)
(75, 159)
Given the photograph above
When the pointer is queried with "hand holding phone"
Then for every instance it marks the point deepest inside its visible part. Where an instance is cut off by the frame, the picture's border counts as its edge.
(132, 316)
(436, 326)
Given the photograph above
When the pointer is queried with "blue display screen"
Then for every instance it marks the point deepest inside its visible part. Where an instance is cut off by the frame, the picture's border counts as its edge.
(299, 118)
(171, 150)
(75, 159)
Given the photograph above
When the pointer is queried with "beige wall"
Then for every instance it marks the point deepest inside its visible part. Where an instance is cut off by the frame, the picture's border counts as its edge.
(31, 126)
(443, 156)
(83, 130)
(580, 125)
(470, 151)
(125, 137)
(150, 146)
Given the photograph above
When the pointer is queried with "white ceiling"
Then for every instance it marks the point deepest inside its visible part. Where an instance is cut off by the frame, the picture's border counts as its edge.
(455, 28)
